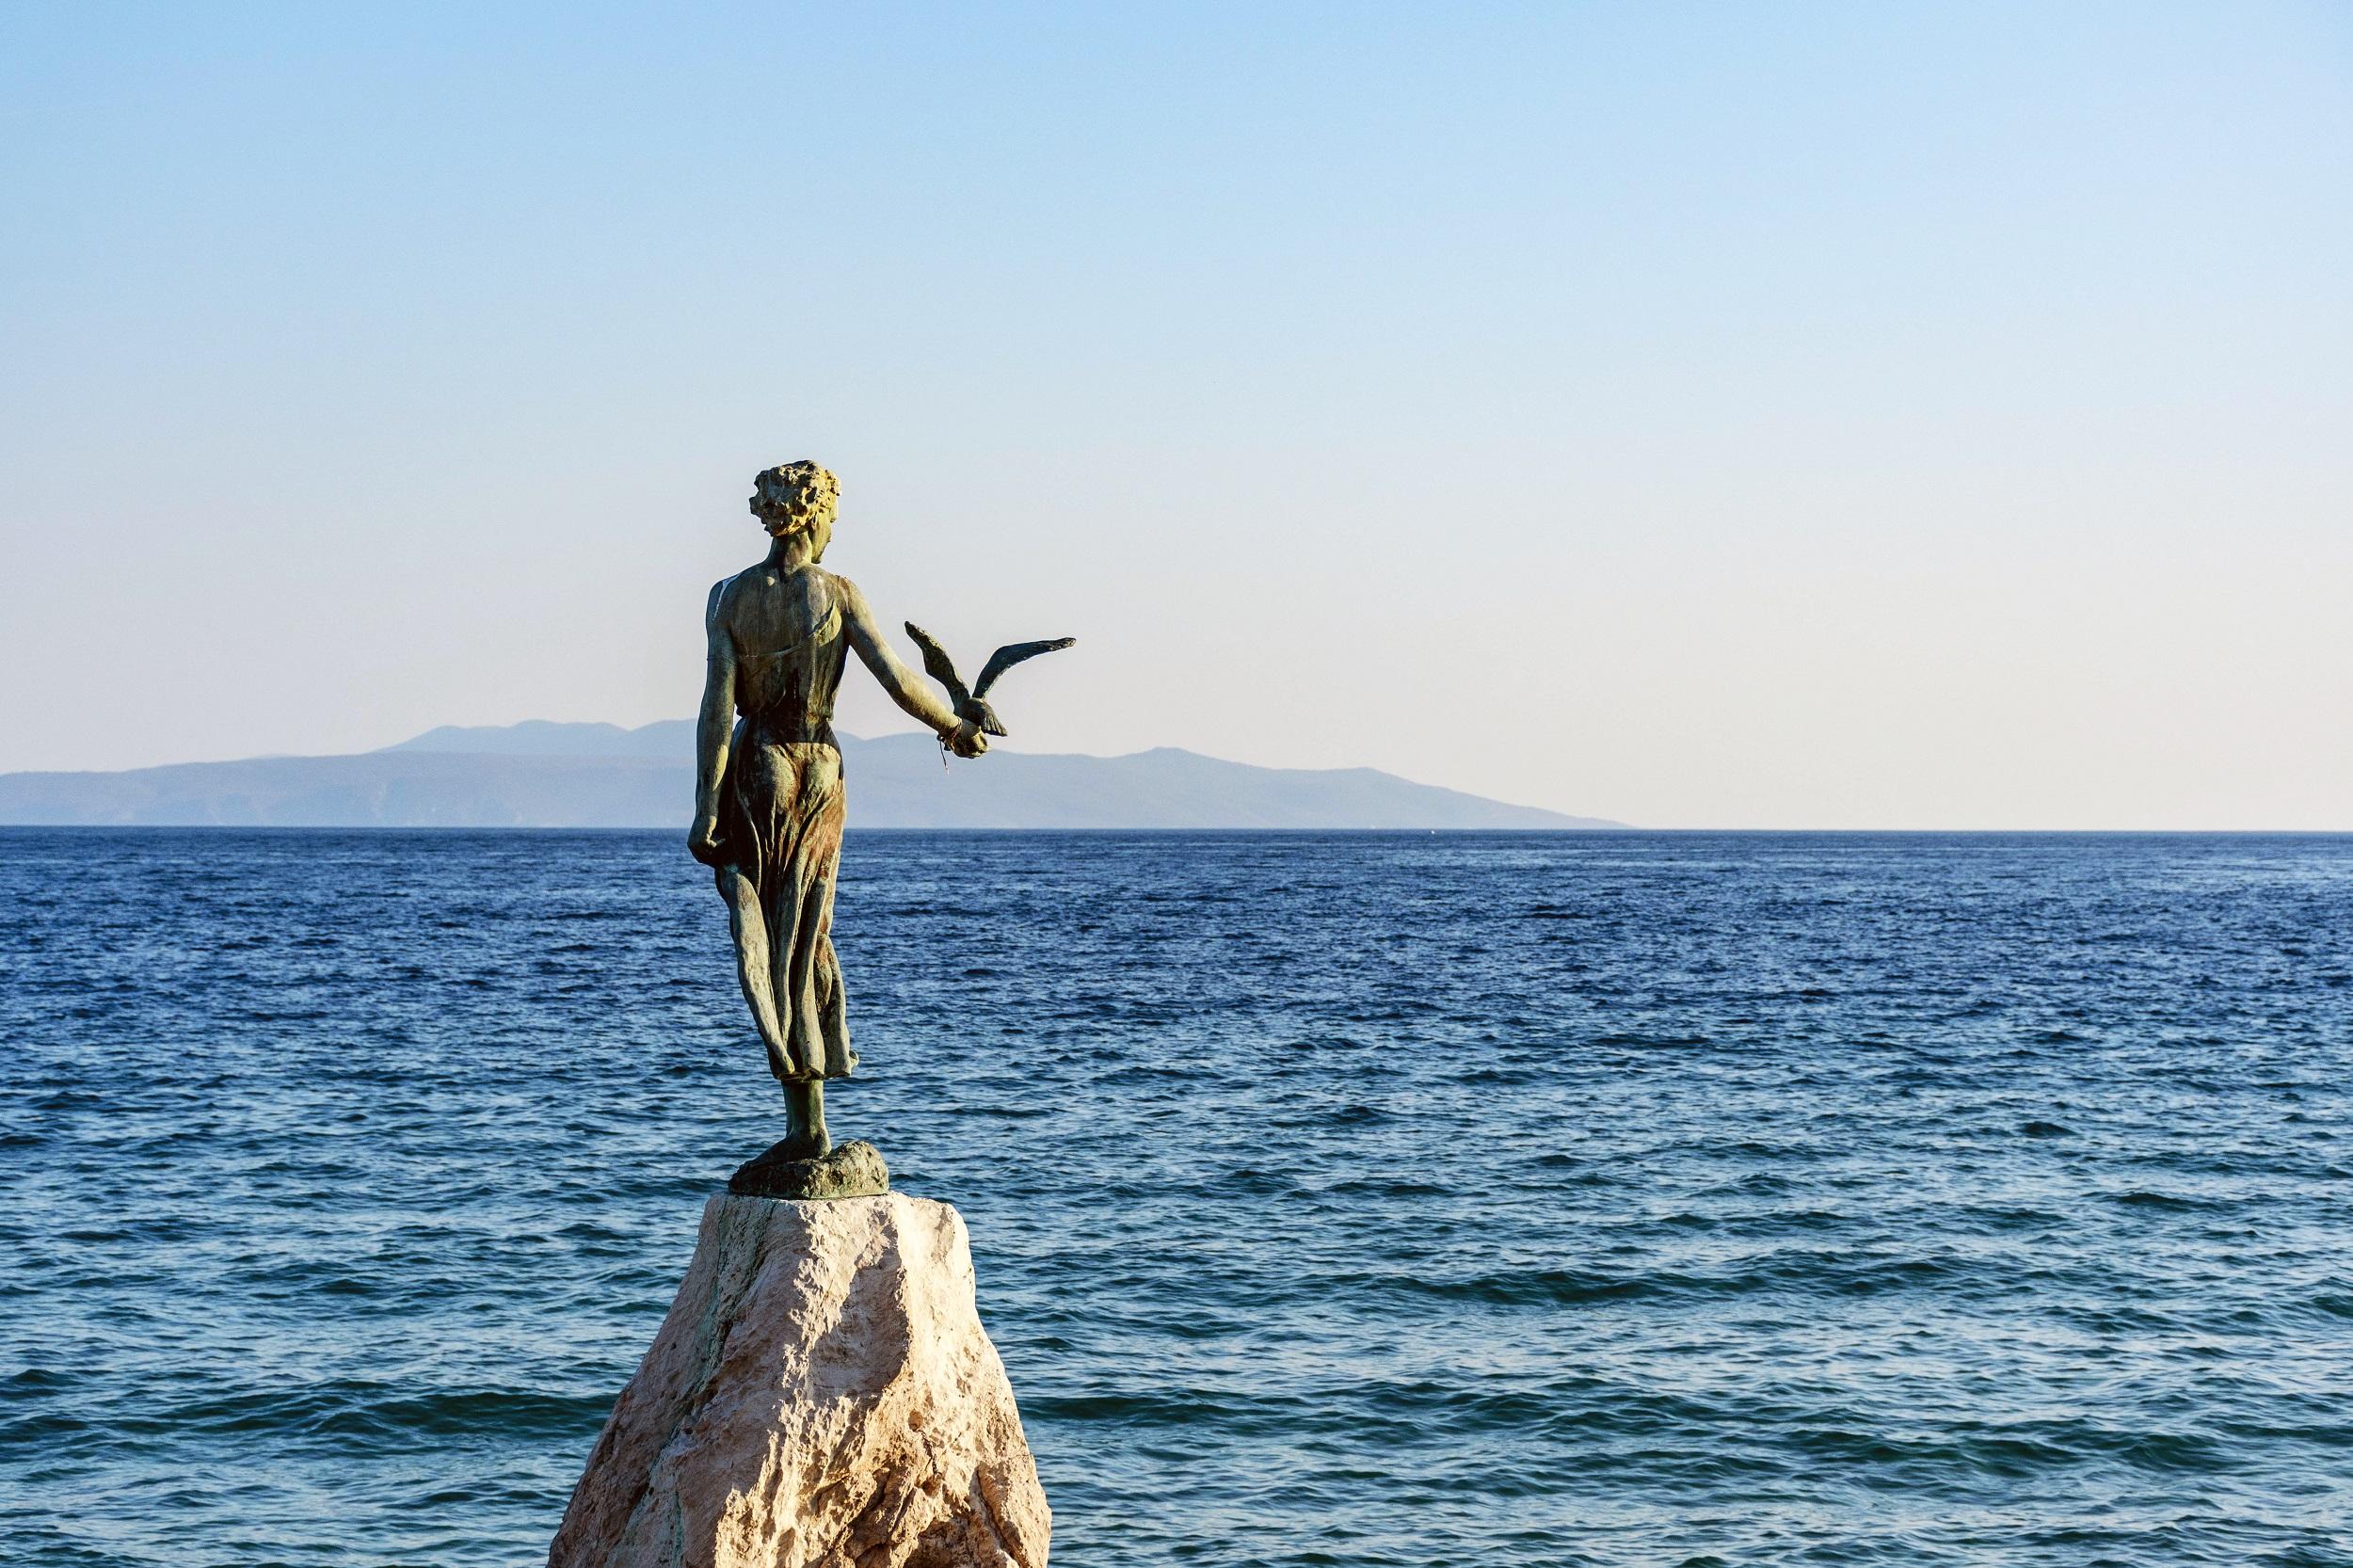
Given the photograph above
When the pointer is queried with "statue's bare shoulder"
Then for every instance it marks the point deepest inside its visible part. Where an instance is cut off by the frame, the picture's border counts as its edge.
(845, 594)
(730, 594)
(736, 602)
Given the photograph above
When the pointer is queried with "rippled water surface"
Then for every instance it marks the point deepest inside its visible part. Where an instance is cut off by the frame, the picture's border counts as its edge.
(1345, 1200)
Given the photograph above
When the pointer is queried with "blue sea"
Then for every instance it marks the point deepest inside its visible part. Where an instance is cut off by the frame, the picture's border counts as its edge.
(1337, 1200)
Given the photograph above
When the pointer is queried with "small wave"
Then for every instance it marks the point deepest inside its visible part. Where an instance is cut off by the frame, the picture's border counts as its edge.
(2177, 1202)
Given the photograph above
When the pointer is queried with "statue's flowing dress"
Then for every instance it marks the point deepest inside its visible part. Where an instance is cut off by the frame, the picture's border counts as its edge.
(780, 815)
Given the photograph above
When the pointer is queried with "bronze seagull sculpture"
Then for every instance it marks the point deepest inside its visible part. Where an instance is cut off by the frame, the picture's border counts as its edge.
(973, 706)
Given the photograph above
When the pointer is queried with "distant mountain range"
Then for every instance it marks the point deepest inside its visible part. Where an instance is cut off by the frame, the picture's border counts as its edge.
(544, 774)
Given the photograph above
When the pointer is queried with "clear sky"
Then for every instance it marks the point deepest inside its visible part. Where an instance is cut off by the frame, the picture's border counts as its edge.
(1703, 415)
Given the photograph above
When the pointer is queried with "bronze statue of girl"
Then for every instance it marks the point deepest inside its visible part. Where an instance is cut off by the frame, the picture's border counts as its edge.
(768, 796)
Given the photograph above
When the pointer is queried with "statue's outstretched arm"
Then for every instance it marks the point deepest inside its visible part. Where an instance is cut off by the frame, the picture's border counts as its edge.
(908, 690)
(714, 728)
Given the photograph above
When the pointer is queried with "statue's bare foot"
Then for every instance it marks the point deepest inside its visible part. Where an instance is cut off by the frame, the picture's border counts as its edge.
(802, 1146)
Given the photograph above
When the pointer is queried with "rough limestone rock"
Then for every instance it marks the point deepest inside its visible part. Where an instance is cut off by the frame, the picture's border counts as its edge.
(820, 1395)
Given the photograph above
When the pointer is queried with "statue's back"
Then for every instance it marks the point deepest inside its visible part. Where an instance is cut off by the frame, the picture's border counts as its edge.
(790, 649)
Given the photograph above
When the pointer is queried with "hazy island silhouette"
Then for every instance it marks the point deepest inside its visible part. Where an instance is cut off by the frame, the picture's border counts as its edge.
(541, 774)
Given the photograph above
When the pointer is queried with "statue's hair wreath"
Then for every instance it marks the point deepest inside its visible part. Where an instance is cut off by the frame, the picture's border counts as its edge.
(802, 492)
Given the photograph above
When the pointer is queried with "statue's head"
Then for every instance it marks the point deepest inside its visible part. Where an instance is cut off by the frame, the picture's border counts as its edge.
(794, 499)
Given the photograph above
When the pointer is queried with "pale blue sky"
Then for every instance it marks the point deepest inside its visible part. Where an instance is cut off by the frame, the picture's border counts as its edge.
(1751, 415)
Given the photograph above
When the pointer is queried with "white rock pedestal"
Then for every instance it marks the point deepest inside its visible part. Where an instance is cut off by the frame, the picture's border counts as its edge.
(820, 1395)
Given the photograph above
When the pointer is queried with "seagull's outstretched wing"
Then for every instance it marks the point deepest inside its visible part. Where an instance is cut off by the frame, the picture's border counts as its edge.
(938, 666)
(1010, 655)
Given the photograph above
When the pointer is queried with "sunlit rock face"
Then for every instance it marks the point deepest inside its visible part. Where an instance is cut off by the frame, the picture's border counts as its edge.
(822, 1394)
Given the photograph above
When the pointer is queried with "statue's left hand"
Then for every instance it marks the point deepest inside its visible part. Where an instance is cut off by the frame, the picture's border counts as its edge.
(965, 740)
(702, 840)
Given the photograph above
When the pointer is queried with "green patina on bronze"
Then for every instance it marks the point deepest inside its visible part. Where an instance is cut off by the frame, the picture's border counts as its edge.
(852, 1170)
(769, 801)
